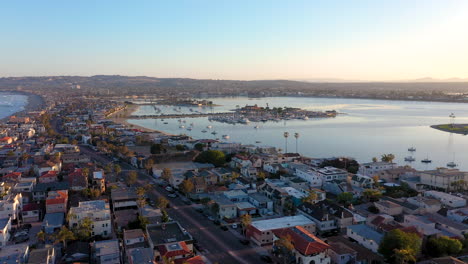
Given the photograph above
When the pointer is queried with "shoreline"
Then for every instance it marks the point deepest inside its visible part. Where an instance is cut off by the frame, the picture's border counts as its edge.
(125, 115)
(34, 102)
(461, 129)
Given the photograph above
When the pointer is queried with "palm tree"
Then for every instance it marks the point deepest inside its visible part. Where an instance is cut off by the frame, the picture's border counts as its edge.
(286, 135)
(296, 135)
(64, 235)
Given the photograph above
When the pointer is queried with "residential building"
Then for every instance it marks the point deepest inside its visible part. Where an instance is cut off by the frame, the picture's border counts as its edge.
(425, 204)
(363, 255)
(99, 213)
(373, 168)
(340, 253)
(444, 179)
(124, 198)
(53, 222)
(362, 181)
(48, 177)
(5, 227)
(261, 232)
(227, 208)
(447, 199)
(169, 240)
(99, 181)
(11, 206)
(57, 201)
(13, 254)
(458, 215)
(30, 213)
(140, 256)
(365, 236)
(41, 190)
(309, 175)
(42, 256)
(388, 207)
(328, 217)
(263, 204)
(106, 252)
(307, 247)
(331, 174)
(77, 180)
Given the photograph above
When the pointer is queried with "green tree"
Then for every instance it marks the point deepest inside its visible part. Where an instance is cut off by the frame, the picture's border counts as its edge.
(41, 236)
(285, 247)
(164, 217)
(246, 220)
(403, 256)
(162, 203)
(399, 240)
(64, 235)
(215, 209)
(215, 157)
(443, 246)
(186, 187)
(387, 157)
(261, 175)
(199, 146)
(132, 177)
(374, 159)
(166, 174)
(117, 169)
(156, 148)
(371, 195)
(143, 221)
(85, 171)
(205, 200)
(180, 147)
(310, 198)
(84, 230)
(149, 165)
(344, 198)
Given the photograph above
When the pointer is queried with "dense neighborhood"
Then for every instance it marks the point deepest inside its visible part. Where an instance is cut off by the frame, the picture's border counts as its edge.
(79, 187)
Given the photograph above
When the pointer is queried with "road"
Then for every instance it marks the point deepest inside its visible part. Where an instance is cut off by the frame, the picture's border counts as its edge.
(220, 246)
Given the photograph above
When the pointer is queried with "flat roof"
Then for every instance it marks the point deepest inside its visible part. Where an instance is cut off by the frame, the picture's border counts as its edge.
(282, 222)
(166, 233)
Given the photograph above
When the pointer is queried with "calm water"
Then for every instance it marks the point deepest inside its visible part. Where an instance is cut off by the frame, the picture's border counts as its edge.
(368, 128)
(11, 103)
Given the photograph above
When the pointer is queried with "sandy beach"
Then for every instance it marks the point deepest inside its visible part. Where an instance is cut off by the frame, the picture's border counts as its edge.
(123, 115)
(35, 103)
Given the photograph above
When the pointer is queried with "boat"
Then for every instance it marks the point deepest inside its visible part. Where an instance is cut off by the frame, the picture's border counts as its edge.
(209, 126)
(410, 159)
(225, 136)
(426, 160)
(166, 123)
(412, 149)
(305, 118)
(214, 132)
(258, 142)
(244, 121)
(204, 131)
(451, 164)
(256, 127)
(189, 128)
(182, 126)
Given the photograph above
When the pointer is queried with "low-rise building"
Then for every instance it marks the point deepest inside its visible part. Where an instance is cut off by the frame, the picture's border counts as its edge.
(98, 212)
(57, 201)
(328, 217)
(447, 199)
(12, 254)
(365, 236)
(11, 206)
(169, 240)
(42, 256)
(30, 213)
(444, 179)
(53, 222)
(373, 168)
(261, 231)
(106, 252)
(5, 227)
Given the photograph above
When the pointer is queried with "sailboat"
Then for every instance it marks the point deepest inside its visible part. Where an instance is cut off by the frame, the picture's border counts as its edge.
(426, 160)
(452, 163)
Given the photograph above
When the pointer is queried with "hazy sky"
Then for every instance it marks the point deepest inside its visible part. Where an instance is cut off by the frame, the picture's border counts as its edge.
(253, 39)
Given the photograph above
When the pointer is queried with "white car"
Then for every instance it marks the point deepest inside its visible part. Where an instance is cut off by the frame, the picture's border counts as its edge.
(234, 226)
(169, 189)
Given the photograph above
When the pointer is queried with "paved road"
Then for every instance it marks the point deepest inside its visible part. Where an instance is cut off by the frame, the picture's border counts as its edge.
(220, 246)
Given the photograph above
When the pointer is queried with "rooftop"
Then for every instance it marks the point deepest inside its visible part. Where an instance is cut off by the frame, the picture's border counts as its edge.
(167, 233)
(367, 232)
(282, 222)
(106, 247)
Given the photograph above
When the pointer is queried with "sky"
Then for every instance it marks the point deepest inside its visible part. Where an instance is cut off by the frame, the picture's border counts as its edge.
(246, 40)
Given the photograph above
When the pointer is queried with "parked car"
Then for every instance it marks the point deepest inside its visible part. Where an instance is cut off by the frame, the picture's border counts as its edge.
(27, 226)
(217, 222)
(187, 202)
(211, 218)
(266, 259)
(224, 228)
(172, 195)
(169, 189)
(244, 241)
(234, 226)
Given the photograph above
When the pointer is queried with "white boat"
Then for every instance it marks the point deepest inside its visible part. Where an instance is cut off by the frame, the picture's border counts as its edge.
(244, 121)
(412, 149)
(256, 127)
(182, 126)
(305, 118)
(426, 160)
(225, 136)
(189, 128)
(209, 127)
(451, 164)
(410, 159)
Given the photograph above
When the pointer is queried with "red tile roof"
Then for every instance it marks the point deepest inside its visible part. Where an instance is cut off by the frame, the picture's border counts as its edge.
(304, 241)
(61, 198)
(13, 175)
(164, 251)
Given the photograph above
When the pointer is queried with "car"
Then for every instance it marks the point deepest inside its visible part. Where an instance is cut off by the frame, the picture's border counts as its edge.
(27, 226)
(224, 228)
(217, 222)
(234, 226)
(244, 241)
(266, 259)
(172, 195)
(169, 189)
(200, 210)
(187, 202)
(211, 218)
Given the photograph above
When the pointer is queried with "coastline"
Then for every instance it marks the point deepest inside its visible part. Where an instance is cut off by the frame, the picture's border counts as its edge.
(34, 102)
(125, 114)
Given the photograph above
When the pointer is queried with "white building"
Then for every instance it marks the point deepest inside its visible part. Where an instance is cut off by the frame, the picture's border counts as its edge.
(332, 174)
(310, 176)
(444, 178)
(11, 206)
(365, 236)
(99, 213)
(5, 227)
(372, 168)
(458, 215)
(447, 199)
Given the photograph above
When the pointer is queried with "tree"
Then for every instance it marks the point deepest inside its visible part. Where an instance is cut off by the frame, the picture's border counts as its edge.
(132, 178)
(399, 240)
(143, 221)
(205, 200)
(261, 175)
(84, 230)
(374, 159)
(215, 208)
(215, 157)
(64, 235)
(141, 201)
(164, 217)
(310, 198)
(186, 186)
(404, 256)
(234, 175)
(285, 247)
(443, 246)
(162, 203)
(387, 157)
(246, 220)
(180, 147)
(85, 172)
(371, 195)
(166, 174)
(41, 236)
(199, 146)
(149, 165)
(117, 169)
(156, 148)
(344, 198)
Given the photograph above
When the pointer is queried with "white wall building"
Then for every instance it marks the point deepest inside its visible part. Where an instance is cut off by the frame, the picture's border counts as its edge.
(99, 213)
(310, 176)
(447, 199)
(372, 168)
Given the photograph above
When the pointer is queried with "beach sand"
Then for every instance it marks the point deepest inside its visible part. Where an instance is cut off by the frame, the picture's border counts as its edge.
(123, 115)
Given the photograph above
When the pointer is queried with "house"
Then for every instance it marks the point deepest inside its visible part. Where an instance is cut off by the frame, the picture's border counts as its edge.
(361, 181)
(365, 236)
(363, 255)
(307, 247)
(140, 256)
(11, 206)
(134, 238)
(340, 253)
(328, 217)
(395, 174)
(261, 232)
(236, 196)
(99, 181)
(447, 199)
(57, 201)
(42, 256)
(106, 252)
(30, 213)
(41, 190)
(77, 180)
(373, 168)
(458, 215)
(75, 158)
(227, 208)
(67, 148)
(48, 166)
(425, 204)
(448, 226)
(309, 175)
(388, 207)
(52, 222)
(422, 224)
(99, 213)
(331, 174)
(263, 204)
(26, 186)
(48, 177)
(444, 179)
(239, 162)
(5, 228)
(124, 198)
(11, 254)
(169, 240)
